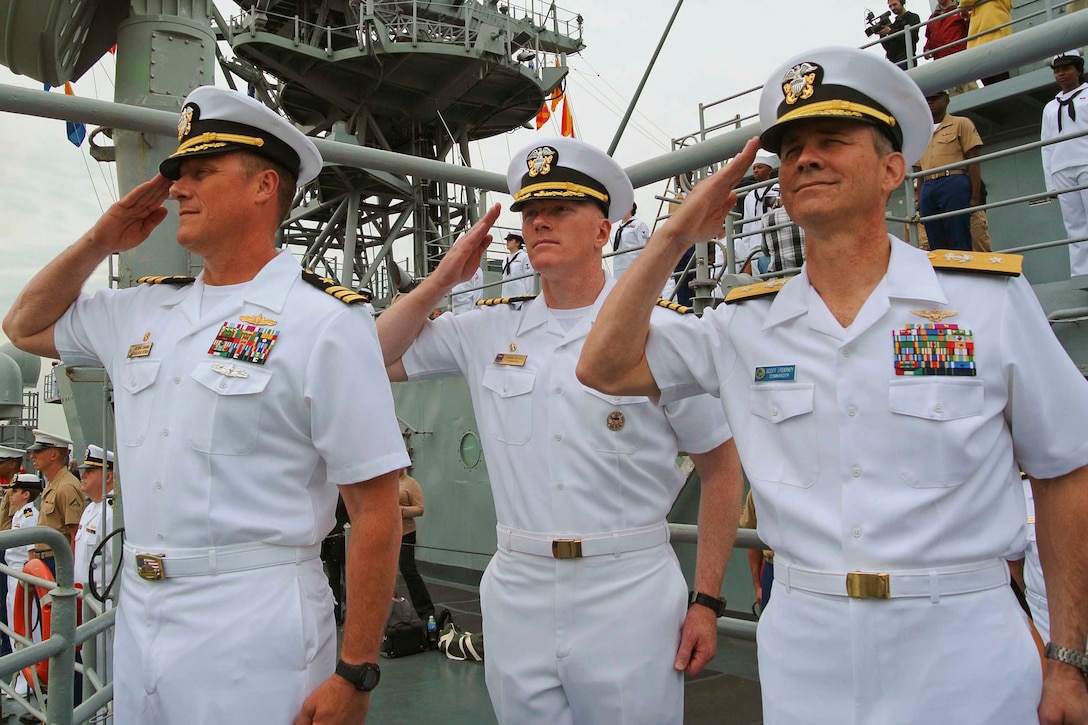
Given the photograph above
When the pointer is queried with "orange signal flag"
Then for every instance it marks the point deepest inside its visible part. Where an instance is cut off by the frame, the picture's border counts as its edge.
(567, 125)
(542, 116)
(556, 97)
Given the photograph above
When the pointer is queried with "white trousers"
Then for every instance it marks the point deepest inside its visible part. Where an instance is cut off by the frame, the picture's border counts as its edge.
(243, 647)
(1075, 214)
(967, 659)
(584, 641)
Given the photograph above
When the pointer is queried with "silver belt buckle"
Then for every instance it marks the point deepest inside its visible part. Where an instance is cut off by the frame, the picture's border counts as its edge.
(150, 567)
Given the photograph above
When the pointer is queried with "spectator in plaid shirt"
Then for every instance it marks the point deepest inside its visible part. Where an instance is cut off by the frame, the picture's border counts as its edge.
(785, 247)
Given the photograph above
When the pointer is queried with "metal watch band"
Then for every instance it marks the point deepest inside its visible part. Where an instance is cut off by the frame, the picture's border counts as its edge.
(1068, 656)
(712, 603)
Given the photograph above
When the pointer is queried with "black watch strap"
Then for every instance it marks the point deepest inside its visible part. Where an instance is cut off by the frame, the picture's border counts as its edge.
(712, 603)
(364, 677)
(1068, 656)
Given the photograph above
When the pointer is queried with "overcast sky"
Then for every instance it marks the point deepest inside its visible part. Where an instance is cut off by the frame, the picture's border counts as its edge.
(51, 192)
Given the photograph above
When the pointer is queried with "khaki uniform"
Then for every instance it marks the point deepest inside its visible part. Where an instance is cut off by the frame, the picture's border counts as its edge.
(62, 505)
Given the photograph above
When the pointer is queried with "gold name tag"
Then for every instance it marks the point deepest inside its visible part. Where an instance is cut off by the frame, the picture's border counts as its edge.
(142, 349)
(505, 358)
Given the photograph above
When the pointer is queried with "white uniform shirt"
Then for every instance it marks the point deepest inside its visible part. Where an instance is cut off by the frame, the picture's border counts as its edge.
(516, 265)
(253, 455)
(633, 234)
(464, 296)
(26, 516)
(756, 204)
(1066, 154)
(555, 465)
(857, 468)
(88, 538)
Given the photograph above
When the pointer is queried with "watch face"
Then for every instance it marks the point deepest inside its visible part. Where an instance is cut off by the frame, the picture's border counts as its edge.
(364, 677)
(371, 676)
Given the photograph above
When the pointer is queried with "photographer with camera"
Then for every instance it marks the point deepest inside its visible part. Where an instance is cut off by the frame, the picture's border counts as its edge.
(895, 44)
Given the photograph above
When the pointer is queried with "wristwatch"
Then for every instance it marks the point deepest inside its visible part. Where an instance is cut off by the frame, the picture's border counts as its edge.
(1068, 656)
(364, 677)
(712, 603)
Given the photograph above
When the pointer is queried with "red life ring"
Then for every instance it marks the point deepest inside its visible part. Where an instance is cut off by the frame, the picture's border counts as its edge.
(38, 568)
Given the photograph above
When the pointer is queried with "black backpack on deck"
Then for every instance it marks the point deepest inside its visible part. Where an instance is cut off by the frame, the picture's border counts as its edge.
(405, 634)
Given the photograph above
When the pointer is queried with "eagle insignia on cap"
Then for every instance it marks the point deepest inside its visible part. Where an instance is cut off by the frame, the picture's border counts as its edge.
(185, 122)
(800, 82)
(540, 160)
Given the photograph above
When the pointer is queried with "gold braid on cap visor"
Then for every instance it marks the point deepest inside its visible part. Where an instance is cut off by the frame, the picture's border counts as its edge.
(836, 108)
(560, 188)
(210, 139)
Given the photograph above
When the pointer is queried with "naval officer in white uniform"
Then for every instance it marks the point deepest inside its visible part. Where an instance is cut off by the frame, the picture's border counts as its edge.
(1065, 164)
(246, 399)
(96, 479)
(879, 403)
(584, 602)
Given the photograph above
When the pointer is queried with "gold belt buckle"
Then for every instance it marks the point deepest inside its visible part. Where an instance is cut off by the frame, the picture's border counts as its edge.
(567, 548)
(863, 585)
(149, 567)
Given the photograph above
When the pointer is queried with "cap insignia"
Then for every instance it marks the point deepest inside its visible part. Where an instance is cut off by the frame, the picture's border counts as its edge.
(800, 82)
(185, 122)
(540, 160)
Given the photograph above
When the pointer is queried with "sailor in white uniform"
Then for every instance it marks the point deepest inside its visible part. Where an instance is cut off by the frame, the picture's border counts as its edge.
(1065, 164)
(757, 203)
(582, 481)
(24, 489)
(517, 264)
(96, 479)
(246, 400)
(467, 294)
(877, 400)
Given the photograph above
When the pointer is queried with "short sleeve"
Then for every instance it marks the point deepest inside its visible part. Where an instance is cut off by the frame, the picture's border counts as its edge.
(690, 355)
(86, 334)
(437, 350)
(1048, 396)
(699, 423)
(353, 423)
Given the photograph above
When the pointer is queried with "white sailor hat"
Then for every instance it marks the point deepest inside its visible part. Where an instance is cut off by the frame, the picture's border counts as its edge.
(28, 481)
(7, 454)
(762, 157)
(216, 120)
(43, 440)
(1069, 57)
(93, 458)
(846, 83)
(515, 235)
(565, 168)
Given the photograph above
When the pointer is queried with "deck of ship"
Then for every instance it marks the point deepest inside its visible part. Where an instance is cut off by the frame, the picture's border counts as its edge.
(429, 689)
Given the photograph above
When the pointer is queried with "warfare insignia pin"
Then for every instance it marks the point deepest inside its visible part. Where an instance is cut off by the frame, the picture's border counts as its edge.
(147, 336)
(185, 122)
(800, 82)
(616, 421)
(513, 347)
(540, 160)
(935, 315)
(258, 319)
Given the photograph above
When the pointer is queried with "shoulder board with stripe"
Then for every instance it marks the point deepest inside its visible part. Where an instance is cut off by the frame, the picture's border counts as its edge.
(176, 280)
(753, 291)
(345, 295)
(674, 306)
(1009, 265)
(493, 301)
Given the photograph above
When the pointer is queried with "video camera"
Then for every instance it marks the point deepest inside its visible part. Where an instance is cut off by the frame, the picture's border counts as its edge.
(875, 23)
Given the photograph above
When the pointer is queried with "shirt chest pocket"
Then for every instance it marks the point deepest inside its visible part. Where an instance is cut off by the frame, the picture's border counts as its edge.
(782, 434)
(224, 417)
(611, 423)
(136, 380)
(937, 430)
(508, 404)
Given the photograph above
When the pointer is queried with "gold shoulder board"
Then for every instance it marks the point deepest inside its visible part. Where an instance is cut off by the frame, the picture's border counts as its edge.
(493, 301)
(674, 306)
(175, 280)
(752, 291)
(345, 295)
(1009, 265)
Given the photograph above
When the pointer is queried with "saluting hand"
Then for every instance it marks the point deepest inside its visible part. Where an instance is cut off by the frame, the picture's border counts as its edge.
(128, 222)
(702, 212)
(463, 258)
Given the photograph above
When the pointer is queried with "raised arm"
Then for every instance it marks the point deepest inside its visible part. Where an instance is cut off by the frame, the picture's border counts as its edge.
(719, 509)
(399, 325)
(1061, 513)
(614, 356)
(127, 223)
